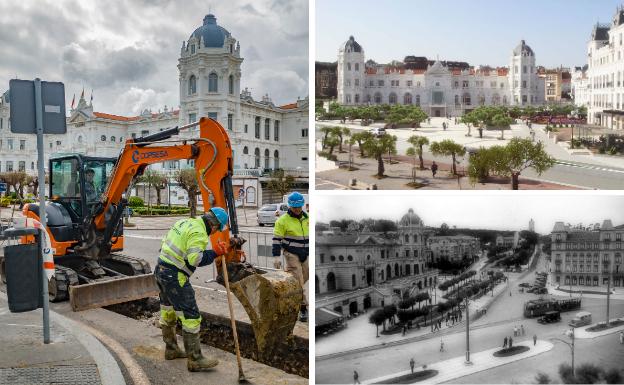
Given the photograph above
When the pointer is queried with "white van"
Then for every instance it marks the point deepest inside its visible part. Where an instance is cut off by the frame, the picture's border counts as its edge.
(581, 319)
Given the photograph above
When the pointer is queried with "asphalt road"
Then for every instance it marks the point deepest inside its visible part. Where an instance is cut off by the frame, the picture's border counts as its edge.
(486, 333)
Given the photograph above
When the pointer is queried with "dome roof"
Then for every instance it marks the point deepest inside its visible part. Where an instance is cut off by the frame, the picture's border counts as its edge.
(352, 45)
(211, 34)
(523, 48)
(411, 219)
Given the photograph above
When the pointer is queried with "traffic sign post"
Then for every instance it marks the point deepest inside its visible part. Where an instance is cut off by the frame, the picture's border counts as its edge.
(39, 108)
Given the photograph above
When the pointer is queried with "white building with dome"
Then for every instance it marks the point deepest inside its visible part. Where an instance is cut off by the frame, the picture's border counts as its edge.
(440, 88)
(264, 136)
(358, 268)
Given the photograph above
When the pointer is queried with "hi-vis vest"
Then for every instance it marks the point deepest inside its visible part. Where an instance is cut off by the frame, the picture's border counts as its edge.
(184, 244)
(291, 234)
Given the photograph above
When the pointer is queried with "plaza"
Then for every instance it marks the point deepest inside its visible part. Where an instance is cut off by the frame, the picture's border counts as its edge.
(572, 169)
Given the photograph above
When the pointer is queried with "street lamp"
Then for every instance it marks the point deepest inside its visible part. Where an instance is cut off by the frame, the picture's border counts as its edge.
(468, 362)
(569, 333)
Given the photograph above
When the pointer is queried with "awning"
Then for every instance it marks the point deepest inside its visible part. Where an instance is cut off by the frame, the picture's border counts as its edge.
(613, 112)
(325, 316)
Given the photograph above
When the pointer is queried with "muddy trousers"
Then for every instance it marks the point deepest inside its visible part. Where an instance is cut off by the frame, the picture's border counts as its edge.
(177, 298)
(299, 270)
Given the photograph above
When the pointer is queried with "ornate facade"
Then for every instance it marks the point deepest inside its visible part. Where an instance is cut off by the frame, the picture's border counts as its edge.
(587, 256)
(357, 269)
(439, 88)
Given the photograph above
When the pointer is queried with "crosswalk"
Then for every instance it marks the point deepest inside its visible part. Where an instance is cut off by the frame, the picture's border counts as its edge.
(589, 166)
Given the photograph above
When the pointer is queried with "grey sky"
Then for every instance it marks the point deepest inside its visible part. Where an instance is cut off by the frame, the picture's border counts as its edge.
(489, 211)
(127, 50)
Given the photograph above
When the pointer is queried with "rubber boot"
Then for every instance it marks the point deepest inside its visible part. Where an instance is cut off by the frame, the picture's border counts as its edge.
(196, 362)
(172, 350)
(303, 314)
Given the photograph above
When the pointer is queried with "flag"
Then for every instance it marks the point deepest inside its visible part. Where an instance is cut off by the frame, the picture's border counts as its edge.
(73, 101)
(91, 96)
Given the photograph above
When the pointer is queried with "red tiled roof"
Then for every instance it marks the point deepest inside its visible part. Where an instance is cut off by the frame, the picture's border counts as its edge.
(502, 71)
(371, 71)
(456, 72)
(120, 118)
(289, 106)
(418, 72)
(114, 117)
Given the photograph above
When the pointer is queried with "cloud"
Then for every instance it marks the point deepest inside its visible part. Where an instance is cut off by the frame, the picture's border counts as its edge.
(99, 66)
(128, 50)
(263, 80)
(136, 100)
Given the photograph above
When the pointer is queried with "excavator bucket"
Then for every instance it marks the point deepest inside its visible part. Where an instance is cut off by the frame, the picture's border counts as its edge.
(272, 300)
(111, 291)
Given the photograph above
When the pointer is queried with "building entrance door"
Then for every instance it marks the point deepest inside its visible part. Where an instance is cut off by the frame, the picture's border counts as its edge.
(369, 276)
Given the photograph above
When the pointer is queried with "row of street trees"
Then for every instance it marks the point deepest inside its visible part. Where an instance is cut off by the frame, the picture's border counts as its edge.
(396, 114)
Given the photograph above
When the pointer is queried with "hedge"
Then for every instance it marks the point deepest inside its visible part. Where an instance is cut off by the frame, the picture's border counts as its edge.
(161, 210)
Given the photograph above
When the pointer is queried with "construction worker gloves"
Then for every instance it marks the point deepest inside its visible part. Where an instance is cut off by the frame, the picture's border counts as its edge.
(208, 256)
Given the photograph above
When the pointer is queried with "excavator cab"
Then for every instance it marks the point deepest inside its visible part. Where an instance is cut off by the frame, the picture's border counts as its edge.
(77, 182)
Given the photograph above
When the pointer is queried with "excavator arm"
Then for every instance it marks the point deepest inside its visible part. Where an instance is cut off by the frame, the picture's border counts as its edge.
(212, 156)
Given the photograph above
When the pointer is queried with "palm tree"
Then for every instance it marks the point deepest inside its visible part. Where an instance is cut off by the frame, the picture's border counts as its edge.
(326, 131)
(360, 138)
(418, 142)
(448, 148)
(341, 132)
(377, 147)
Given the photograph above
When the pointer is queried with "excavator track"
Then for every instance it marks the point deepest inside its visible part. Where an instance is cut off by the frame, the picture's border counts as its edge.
(58, 287)
(127, 265)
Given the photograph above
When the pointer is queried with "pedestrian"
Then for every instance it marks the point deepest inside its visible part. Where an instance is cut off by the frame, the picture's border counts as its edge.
(291, 235)
(510, 293)
(515, 331)
(444, 126)
(434, 168)
(185, 247)
(522, 329)
(404, 329)
(439, 324)
(535, 339)
(460, 316)
(621, 338)
(412, 363)
(510, 342)
(356, 378)
(441, 345)
(505, 343)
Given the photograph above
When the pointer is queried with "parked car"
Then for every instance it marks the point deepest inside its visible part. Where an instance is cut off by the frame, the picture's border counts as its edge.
(581, 319)
(377, 131)
(550, 317)
(540, 290)
(524, 284)
(268, 214)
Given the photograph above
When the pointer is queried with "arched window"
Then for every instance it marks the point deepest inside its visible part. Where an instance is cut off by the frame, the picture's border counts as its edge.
(331, 282)
(350, 258)
(396, 270)
(112, 139)
(388, 272)
(407, 98)
(267, 129)
(192, 85)
(266, 158)
(257, 157)
(392, 98)
(231, 85)
(317, 286)
(213, 80)
(245, 150)
(357, 98)
(504, 100)
(457, 100)
(120, 139)
(276, 159)
(353, 280)
(417, 102)
(377, 97)
(368, 98)
(416, 269)
(466, 99)
(103, 138)
(407, 270)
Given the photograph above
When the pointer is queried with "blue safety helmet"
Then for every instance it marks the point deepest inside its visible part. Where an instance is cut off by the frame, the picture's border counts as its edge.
(296, 200)
(220, 215)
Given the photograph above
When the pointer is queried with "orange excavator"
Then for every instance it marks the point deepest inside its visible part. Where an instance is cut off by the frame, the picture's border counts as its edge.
(87, 203)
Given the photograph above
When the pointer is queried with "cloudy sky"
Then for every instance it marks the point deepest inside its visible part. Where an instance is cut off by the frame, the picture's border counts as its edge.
(477, 31)
(127, 50)
(478, 211)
